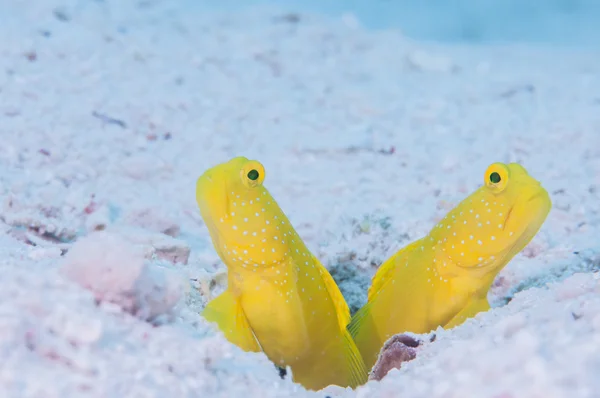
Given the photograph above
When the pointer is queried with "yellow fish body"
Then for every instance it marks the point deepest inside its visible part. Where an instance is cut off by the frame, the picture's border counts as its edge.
(280, 299)
(443, 278)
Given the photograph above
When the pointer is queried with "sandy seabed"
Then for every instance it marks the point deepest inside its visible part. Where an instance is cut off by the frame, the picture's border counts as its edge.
(110, 110)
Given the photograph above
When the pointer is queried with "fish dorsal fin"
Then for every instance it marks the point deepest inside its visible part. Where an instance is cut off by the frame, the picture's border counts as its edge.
(384, 272)
(341, 307)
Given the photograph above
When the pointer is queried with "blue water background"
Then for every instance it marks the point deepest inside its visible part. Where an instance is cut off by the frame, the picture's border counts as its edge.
(550, 22)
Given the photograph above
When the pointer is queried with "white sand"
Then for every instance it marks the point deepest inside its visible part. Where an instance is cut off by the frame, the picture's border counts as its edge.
(111, 109)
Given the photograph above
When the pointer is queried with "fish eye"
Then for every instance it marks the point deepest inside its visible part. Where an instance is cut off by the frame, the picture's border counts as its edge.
(253, 174)
(495, 178)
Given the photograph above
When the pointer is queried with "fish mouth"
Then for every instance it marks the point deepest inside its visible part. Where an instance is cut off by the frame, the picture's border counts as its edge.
(539, 202)
(207, 177)
(542, 198)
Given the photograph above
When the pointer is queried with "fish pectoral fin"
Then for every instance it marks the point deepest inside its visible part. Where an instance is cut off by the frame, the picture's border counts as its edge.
(475, 306)
(384, 272)
(356, 366)
(352, 364)
(364, 332)
(227, 312)
(341, 307)
(358, 319)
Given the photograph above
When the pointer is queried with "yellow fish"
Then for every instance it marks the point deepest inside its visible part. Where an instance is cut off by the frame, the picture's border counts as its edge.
(280, 299)
(443, 278)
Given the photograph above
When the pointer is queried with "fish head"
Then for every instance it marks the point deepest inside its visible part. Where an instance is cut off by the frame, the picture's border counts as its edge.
(245, 223)
(496, 221)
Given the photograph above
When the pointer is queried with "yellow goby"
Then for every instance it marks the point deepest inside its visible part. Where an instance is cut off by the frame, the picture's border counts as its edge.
(280, 299)
(443, 278)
